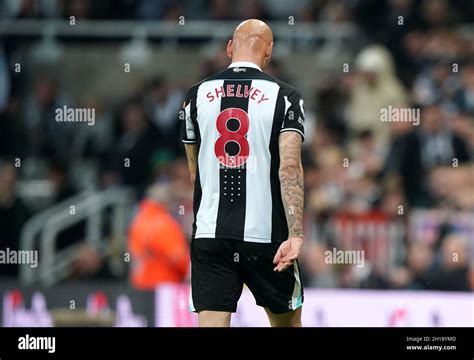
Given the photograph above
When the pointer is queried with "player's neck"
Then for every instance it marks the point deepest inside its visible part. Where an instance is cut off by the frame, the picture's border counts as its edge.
(254, 61)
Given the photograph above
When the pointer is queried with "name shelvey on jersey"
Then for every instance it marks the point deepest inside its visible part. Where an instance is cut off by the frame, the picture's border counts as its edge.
(235, 117)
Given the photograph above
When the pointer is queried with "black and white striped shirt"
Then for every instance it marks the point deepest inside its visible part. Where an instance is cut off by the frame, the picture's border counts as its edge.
(235, 117)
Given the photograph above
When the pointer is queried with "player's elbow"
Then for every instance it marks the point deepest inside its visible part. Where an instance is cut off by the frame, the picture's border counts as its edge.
(291, 168)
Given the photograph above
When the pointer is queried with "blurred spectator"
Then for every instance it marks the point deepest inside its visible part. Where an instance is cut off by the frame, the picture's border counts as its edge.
(87, 262)
(159, 249)
(135, 147)
(173, 174)
(150, 9)
(251, 9)
(399, 18)
(365, 155)
(4, 80)
(275, 68)
(332, 178)
(11, 130)
(44, 135)
(13, 214)
(336, 12)
(94, 141)
(419, 152)
(435, 84)
(21, 9)
(375, 87)
(418, 274)
(464, 98)
(216, 62)
(454, 185)
(281, 9)
(222, 9)
(315, 271)
(392, 199)
(462, 125)
(452, 272)
(436, 13)
(331, 102)
(63, 190)
(162, 103)
(80, 9)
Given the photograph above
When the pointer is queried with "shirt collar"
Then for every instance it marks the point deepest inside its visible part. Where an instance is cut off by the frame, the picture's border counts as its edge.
(245, 64)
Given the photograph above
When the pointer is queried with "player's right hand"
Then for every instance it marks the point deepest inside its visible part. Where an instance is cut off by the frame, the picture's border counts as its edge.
(287, 253)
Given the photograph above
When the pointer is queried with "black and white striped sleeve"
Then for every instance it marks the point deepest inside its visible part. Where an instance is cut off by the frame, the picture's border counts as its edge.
(188, 133)
(294, 113)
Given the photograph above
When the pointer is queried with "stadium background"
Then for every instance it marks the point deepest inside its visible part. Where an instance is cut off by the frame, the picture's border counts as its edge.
(400, 191)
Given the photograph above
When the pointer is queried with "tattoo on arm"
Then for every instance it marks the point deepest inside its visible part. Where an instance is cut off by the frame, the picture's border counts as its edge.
(191, 154)
(292, 181)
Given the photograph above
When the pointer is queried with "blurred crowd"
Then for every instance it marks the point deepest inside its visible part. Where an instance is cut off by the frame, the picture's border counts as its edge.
(371, 15)
(392, 134)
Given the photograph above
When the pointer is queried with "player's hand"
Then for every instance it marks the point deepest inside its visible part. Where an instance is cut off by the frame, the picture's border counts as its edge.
(287, 253)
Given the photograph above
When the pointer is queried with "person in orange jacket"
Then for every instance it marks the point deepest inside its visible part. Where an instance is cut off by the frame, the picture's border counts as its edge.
(159, 249)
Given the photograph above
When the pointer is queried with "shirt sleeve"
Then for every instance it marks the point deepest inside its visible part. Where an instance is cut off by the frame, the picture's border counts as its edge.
(188, 134)
(294, 114)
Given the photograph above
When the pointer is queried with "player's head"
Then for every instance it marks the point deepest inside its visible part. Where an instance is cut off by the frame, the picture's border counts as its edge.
(252, 41)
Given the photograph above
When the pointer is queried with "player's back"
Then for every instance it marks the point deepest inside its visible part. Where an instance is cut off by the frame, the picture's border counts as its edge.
(235, 117)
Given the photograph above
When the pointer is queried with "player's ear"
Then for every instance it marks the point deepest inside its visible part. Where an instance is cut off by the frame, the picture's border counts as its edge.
(268, 54)
(230, 48)
(269, 51)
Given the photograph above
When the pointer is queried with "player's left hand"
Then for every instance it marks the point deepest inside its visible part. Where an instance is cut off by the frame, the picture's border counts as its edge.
(287, 253)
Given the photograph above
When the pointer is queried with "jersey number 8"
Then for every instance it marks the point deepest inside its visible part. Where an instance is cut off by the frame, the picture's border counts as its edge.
(237, 136)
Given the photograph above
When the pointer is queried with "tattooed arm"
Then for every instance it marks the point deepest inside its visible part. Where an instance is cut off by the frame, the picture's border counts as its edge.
(292, 193)
(191, 154)
(291, 179)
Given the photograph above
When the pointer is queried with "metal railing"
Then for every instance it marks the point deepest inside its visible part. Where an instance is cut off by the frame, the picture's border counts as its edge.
(41, 233)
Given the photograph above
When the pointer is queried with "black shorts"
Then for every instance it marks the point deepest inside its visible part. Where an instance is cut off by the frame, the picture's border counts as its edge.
(220, 268)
